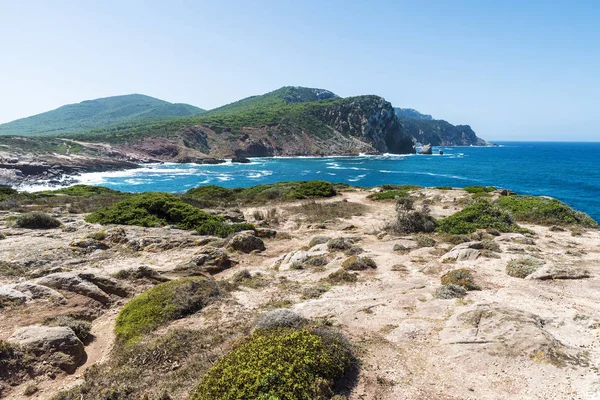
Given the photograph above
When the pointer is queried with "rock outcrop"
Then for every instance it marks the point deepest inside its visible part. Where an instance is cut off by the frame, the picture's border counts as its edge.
(73, 283)
(49, 340)
(426, 149)
(246, 242)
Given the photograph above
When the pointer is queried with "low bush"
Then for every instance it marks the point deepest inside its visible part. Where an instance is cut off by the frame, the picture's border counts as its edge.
(279, 318)
(341, 276)
(157, 209)
(161, 304)
(480, 189)
(388, 195)
(339, 244)
(316, 261)
(36, 220)
(83, 191)
(411, 221)
(80, 327)
(391, 192)
(523, 267)
(278, 364)
(318, 240)
(263, 193)
(461, 277)
(480, 215)
(314, 292)
(425, 241)
(101, 235)
(544, 211)
(450, 291)
(356, 263)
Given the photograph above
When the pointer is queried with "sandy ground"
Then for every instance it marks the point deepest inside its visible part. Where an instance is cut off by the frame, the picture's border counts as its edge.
(514, 339)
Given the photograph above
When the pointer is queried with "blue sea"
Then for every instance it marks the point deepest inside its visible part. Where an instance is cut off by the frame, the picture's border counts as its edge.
(569, 172)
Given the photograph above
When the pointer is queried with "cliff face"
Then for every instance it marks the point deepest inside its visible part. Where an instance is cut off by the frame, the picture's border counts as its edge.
(371, 120)
(441, 133)
(426, 130)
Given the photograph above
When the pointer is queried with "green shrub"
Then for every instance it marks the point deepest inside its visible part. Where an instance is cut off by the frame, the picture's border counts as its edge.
(80, 327)
(157, 209)
(444, 187)
(450, 291)
(481, 215)
(523, 267)
(211, 193)
(263, 193)
(406, 188)
(161, 304)
(411, 221)
(36, 220)
(356, 263)
(544, 211)
(341, 276)
(461, 277)
(425, 241)
(314, 189)
(278, 364)
(314, 292)
(339, 244)
(101, 235)
(389, 195)
(480, 189)
(6, 192)
(83, 191)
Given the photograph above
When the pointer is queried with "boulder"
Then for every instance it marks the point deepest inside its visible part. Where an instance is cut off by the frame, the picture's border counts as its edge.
(508, 332)
(35, 291)
(266, 233)
(464, 252)
(246, 242)
(105, 283)
(559, 272)
(87, 246)
(209, 260)
(426, 149)
(50, 340)
(241, 160)
(11, 295)
(73, 283)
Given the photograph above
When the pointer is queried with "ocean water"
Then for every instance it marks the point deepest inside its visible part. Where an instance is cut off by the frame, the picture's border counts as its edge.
(569, 172)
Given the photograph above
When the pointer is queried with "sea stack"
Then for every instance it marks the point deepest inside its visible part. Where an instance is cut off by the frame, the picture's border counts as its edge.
(426, 149)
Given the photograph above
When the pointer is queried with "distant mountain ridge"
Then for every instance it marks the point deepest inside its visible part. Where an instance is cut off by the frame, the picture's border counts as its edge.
(99, 113)
(437, 132)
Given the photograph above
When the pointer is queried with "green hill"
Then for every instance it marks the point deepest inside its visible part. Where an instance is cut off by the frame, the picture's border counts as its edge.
(288, 121)
(97, 114)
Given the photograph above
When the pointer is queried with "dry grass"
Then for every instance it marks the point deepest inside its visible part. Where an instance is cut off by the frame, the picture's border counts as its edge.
(318, 212)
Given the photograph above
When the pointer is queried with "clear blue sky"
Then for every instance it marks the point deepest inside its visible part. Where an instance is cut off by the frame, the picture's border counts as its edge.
(523, 70)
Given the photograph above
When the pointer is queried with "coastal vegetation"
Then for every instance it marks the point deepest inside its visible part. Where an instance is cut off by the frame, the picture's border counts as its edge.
(391, 192)
(36, 220)
(282, 363)
(480, 215)
(260, 194)
(160, 209)
(161, 304)
(544, 211)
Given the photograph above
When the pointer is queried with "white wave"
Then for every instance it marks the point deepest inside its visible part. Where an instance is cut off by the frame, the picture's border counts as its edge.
(357, 178)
